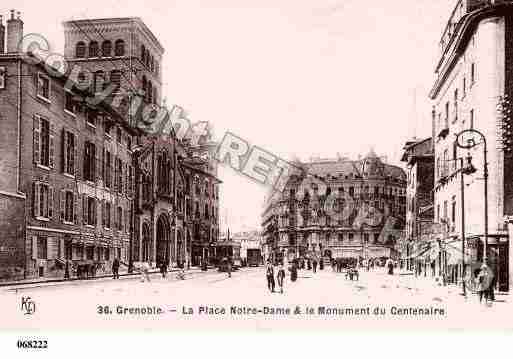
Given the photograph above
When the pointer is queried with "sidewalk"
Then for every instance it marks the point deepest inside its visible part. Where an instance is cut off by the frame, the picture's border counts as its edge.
(31, 283)
(451, 292)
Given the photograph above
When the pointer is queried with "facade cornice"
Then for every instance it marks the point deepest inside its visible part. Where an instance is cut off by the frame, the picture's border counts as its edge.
(458, 43)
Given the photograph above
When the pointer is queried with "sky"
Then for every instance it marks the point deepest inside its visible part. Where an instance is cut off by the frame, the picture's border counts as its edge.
(297, 78)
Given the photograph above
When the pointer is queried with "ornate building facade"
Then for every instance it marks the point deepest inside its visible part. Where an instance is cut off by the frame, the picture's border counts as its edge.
(338, 208)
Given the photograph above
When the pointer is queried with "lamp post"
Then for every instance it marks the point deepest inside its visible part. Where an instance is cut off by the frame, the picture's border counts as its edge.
(466, 139)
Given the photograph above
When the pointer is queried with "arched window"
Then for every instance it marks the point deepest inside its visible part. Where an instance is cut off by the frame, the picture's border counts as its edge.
(147, 60)
(93, 49)
(119, 48)
(143, 54)
(80, 50)
(107, 48)
(115, 78)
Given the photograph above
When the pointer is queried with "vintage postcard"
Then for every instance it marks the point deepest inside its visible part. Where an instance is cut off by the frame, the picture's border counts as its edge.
(256, 165)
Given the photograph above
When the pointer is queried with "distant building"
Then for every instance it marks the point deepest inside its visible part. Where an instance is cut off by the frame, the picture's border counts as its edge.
(419, 158)
(338, 208)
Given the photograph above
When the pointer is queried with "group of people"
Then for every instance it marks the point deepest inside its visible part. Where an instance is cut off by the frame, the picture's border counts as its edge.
(279, 272)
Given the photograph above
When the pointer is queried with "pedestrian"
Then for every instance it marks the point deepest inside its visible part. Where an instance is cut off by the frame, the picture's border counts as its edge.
(270, 276)
(293, 272)
(66, 270)
(333, 265)
(163, 269)
(314, 265)
(390, 266)
(229, 268)
(145, 272)
(281, 276)
(309, 264)
(485, 281)
(115, 268)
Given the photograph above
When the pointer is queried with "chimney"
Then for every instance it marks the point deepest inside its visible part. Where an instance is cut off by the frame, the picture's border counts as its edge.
(2, 35)
(14, 33)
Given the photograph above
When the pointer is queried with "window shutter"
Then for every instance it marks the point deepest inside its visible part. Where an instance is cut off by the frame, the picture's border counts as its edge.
(112, 215)
(63, 205)
(34, 247)
(52, 146)
(49, 252)
(76, 162)
(75, 208)
(64, 151)
(35, 196)
(50, 202)
(97, 205)
(61, 250)
(84, 209)
(104, 222)
(103, 167)
(121, 176)
(115, 184)
(37, 140)
(98, 164)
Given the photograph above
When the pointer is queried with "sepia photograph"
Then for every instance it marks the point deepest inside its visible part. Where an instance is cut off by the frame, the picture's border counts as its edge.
(255, 166)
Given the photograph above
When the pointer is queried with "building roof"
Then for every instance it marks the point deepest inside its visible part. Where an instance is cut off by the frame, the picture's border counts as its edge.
(137, 20)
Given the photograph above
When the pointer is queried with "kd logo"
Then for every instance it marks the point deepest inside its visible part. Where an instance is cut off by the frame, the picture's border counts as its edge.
(28, 305)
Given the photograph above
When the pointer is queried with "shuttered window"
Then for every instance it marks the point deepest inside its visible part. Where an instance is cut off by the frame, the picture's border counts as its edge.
(42, 200)
(68, 152)
(43, 86)
(43, 142)
(89, 161)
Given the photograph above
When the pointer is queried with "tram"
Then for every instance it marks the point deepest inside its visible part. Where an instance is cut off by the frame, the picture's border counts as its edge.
(229, 250)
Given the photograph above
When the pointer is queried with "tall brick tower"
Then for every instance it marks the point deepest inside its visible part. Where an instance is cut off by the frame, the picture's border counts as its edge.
(121, 51)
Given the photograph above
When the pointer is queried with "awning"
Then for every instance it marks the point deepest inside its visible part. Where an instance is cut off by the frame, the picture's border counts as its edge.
(454, 253)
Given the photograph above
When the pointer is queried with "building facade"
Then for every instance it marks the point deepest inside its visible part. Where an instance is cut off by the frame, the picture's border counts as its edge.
(62, 201)
(339, 209)
(81, 183)
(419, 158)
(473, 73)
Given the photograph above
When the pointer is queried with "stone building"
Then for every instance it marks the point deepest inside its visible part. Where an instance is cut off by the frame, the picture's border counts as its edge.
(419, 158)
(201, 196)
(473, 73)
(61, 199)
(338, 208)
(80, 182)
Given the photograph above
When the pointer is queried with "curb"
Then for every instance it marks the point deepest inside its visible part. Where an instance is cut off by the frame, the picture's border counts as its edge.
(41, 283)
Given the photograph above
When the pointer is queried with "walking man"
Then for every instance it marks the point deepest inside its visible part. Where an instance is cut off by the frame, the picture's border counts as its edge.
(314, 265)
(229, 267)
(270, 276)
(281, 277)
(163, 268)
(115, 268)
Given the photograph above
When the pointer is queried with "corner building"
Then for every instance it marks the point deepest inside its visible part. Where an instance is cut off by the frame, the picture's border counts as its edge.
(338, 208)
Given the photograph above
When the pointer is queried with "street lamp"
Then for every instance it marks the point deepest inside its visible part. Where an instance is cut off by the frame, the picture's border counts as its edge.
(467, 139)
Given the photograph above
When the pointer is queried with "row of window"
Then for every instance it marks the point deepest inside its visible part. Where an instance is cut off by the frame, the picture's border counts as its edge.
(93, 50)
(43, 208)
(452, 116)
(115, 173)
